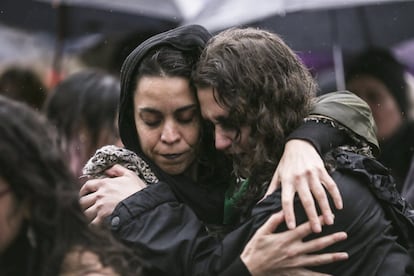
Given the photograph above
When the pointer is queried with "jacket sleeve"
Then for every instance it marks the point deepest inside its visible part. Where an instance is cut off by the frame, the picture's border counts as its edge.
(171, 237)
(343, 108)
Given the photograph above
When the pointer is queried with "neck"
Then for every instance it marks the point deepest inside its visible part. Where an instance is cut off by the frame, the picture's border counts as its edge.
(192, 172)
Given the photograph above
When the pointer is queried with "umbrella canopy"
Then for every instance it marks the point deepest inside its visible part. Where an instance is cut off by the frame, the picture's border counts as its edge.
(74, 26)
(318, 28)
(75, 18)
(217, 15)
(317, 24)
(314, 28)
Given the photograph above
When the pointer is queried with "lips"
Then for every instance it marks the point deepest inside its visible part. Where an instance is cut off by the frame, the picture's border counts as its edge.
(172, 156)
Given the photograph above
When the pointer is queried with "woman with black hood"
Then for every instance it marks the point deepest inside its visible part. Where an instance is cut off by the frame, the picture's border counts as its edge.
(204, 194)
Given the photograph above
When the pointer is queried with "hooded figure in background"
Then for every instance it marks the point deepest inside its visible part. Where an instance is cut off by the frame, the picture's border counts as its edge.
(378, 78)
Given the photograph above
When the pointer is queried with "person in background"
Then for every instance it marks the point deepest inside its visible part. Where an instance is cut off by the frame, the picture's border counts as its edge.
(83, 108)
(378, 78)
(43, 231)
(24, 85)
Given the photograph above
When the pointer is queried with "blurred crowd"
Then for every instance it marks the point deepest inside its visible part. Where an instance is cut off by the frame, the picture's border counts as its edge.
(81, 109)
(83, 106)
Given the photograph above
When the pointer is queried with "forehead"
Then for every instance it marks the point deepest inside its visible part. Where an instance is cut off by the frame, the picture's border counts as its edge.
(210, 109)
(161, 90)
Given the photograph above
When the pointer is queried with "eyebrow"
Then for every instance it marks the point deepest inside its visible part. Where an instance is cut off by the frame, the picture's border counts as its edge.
(181, 109)
(185, 108)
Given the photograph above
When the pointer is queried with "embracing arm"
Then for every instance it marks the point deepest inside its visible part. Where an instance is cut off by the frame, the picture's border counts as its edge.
(178, 243)
(154, 221)
(301, 169)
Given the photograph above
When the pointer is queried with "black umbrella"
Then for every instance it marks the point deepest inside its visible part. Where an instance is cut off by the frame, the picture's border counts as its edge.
(319, 26)
(69, 20)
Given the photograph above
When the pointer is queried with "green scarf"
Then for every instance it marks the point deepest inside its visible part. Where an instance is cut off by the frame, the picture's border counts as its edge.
(231, 212)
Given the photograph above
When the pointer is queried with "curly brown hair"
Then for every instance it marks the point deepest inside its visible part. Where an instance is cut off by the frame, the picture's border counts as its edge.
(264, 85)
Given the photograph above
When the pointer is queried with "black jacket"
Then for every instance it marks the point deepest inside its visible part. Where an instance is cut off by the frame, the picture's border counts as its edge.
(177, 243)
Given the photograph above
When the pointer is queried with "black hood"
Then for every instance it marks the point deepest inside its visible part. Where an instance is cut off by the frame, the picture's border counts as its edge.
(191, 38)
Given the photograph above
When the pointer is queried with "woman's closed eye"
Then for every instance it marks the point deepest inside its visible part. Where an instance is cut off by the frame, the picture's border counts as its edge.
(186, 116)
(151, 119)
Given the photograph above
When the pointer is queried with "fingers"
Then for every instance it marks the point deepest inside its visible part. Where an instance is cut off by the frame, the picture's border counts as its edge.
(274, 184)
(308, 203)
(116, 170)
(301, 231)
(271, 224)
(87, 201)
(318, 259)
(96, 221)
(323, 242)
(314, 192)
(91, 213)
(333, 190)
(322, 199)
(301, 272)
(308, 194)
(90, 186)
(312, 273)
(287, 199)
(96, 212)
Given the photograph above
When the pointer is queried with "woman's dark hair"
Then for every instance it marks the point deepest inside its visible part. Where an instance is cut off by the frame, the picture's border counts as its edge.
(23, 84)
(382, 65)
(84, 109)
(85, 101)
(166, 61)
(265, 87)
(31, 163)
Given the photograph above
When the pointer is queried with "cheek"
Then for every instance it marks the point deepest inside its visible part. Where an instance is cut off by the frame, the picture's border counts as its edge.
(191, 134)
(148, 138)
(387, 108)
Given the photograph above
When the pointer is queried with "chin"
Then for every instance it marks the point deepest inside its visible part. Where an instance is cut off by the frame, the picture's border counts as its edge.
(173, 171)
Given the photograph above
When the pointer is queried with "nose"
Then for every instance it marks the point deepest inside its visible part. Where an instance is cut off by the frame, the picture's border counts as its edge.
(222, 140)
(170, 133)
